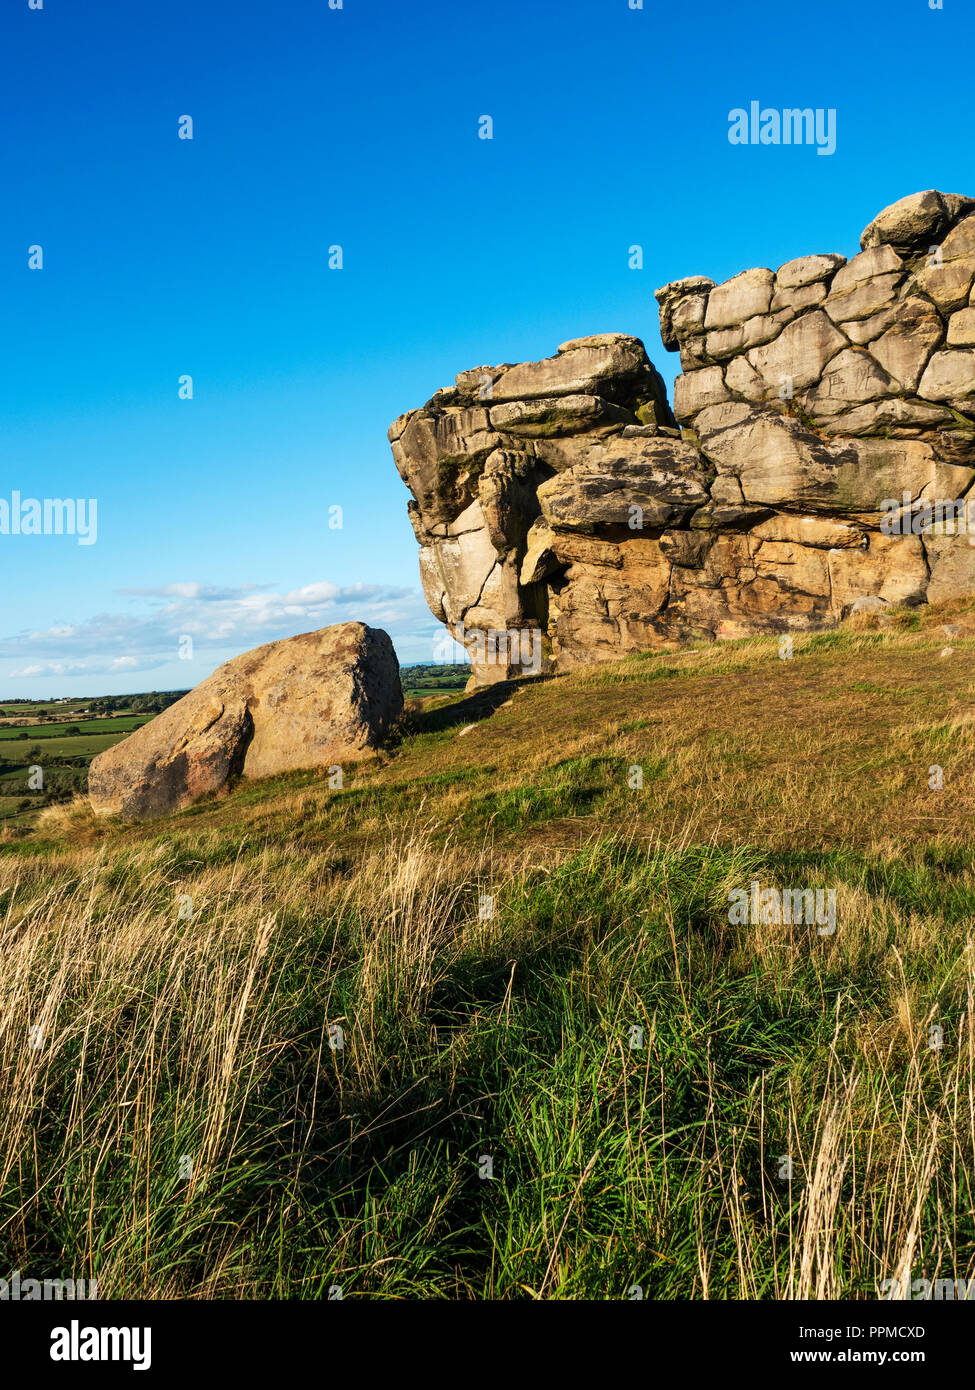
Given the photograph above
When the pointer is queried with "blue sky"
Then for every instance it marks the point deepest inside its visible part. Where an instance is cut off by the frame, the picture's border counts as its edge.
(358, 127)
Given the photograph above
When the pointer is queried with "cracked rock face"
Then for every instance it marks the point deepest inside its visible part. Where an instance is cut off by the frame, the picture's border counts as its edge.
(566, 496)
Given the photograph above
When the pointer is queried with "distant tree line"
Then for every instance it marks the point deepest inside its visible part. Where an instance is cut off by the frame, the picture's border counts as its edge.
(154, 702)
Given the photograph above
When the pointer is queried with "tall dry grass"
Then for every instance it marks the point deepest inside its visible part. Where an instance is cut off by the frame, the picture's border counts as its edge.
(175, 1120)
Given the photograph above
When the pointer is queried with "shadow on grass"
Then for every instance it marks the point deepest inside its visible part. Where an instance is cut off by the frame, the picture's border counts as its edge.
(480, 704)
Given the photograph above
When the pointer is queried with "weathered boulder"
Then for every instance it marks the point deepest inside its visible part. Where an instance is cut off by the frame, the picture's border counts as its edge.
(609, 365)
(559, 495)
(316, 700)
(744, 296)
(951, 559)
(682, 307)
(950, 376)
(797, 358)
(916, 222)
(637, 484)
(476, 458)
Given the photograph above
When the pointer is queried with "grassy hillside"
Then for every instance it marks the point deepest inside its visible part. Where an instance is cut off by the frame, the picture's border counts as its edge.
(481, 1024)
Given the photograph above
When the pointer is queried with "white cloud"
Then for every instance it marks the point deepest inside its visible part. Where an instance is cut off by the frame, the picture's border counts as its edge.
(224, 620)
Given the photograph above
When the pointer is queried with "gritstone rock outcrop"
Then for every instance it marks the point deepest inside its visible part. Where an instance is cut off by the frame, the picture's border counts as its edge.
(566, 495)
(319, 699)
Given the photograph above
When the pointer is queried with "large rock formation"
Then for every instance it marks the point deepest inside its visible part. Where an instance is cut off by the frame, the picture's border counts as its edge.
(564, 495)
(316, 700)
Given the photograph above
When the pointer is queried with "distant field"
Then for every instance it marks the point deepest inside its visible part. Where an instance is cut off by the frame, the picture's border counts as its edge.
(63, 758)
(421, 681)
(421, 692)
(123, 724)
(75, 746)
